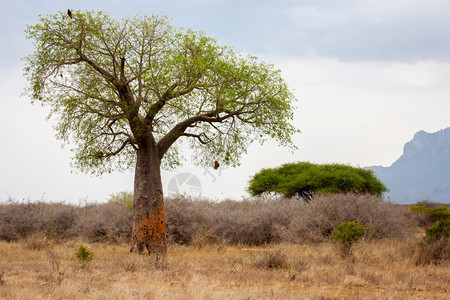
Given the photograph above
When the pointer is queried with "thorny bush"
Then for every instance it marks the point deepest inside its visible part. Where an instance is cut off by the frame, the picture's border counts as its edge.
(257, 221)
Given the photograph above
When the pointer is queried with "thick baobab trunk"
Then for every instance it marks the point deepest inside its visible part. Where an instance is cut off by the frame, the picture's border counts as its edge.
(149, 228)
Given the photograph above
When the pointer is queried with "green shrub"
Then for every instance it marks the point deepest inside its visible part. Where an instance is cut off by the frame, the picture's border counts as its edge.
(348, 233)
(124, 198)
(84, 254)
(434, 214)
(440, 229)
(435, 246)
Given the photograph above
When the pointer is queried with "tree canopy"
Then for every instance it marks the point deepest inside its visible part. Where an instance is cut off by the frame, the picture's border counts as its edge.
(111, 82)
(128, 92)
(304, 179)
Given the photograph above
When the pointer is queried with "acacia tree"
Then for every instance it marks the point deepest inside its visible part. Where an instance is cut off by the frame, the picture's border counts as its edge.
(304, 180)
(128, 93)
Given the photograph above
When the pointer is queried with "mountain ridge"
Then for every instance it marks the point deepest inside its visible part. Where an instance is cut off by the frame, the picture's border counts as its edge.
(422, 172)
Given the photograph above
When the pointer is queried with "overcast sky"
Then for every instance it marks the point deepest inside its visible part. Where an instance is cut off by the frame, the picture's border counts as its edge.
(367, 75)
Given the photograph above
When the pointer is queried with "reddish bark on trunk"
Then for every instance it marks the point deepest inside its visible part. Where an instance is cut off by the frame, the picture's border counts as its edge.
(149, 228)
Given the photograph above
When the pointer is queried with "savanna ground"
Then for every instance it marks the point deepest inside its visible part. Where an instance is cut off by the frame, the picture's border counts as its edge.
(250, 250)
(379, 270)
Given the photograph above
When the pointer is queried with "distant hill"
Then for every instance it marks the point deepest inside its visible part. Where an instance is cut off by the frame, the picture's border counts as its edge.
(422, 172)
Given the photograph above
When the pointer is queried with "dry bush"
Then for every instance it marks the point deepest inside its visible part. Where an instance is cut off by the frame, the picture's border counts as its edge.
(35, 241)
(188, 220)
(13, 222)
(108, 222)
(433, 252)
(249, 222)
(316, 220)
(272, 259)
(18, 220)
(253, 222)
(59, 221)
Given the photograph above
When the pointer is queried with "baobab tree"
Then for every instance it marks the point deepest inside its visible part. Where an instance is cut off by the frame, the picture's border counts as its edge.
(130, 93)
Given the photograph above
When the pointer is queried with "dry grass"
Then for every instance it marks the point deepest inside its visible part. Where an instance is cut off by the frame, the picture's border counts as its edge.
(381, 269)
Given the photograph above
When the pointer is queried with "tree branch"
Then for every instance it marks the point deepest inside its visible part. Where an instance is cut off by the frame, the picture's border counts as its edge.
(179, 130)
(168, 94)
(198, 136)
(109, 154)
(122, 70)
(97, 67)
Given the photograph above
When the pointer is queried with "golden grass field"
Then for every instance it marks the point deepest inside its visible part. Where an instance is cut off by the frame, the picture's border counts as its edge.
(378, 270)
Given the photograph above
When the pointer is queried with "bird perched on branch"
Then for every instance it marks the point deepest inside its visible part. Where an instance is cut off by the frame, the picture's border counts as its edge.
(216, 165)
(69, 13)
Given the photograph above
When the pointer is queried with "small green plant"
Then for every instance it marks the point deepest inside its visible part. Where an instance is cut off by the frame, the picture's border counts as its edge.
(434, 214)
(84, 254)
(346, 234)
(439, 230)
